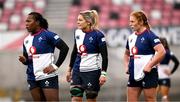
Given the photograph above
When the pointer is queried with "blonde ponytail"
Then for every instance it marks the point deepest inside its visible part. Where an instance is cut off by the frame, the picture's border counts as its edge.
(95, 25)
(92, 17)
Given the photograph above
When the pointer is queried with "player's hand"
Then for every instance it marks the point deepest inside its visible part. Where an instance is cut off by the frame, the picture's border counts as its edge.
(147, 69)
(127, 71)
(68, 76)
(102, 80)
(22, 59)
(49, 69)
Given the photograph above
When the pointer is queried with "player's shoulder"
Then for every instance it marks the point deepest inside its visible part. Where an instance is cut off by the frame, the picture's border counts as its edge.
(99, 32)
(48, 32)
(27, 37)
(132, 35)
(150, 33)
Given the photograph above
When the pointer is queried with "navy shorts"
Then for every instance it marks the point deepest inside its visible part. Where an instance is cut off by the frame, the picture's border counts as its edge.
(165, 82)
(150, 80)
(87, 80)
(45, 83)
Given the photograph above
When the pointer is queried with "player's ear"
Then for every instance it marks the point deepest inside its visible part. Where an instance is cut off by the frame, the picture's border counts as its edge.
(141, 22)
(37, 22)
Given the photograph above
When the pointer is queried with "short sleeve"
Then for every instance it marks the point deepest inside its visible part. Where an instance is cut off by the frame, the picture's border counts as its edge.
(101, 39)
(52, 38)
(154, 39)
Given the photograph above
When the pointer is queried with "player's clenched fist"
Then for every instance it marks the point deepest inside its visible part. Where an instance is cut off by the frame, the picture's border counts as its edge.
(22, 59)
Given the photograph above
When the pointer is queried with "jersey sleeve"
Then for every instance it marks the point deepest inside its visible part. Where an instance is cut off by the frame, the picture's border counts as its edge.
(103, 50)
(127, 45)
(25, 55)
(53, 38)
(101, 39)
(154, 39)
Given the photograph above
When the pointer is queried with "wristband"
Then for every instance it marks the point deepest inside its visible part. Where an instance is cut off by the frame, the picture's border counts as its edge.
(103, 73)
(54, 66)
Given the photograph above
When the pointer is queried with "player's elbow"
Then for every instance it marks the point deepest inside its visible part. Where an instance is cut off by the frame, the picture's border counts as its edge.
(162, 53)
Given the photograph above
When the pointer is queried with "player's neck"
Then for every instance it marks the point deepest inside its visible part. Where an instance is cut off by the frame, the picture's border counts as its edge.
(141, 30)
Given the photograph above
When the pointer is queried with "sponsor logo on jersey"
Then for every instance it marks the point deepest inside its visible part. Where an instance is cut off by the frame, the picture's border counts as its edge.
(134, 50)
(156, 40)
(56, 37)
(32, 50)
(82, 49)
(103, 39)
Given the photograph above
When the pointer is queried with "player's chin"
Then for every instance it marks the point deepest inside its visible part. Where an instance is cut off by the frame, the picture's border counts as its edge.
(79, 26)
(132, 28)
(28, 29)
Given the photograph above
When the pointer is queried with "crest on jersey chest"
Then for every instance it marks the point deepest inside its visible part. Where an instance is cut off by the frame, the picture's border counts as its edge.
(40, 39)
(90, 39)
(142, 39)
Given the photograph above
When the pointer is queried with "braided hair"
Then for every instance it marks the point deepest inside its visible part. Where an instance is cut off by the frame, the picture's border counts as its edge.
(39, 18)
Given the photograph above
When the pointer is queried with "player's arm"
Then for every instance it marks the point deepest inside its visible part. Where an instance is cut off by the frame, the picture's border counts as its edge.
(104, 54)
(126, 60)
(62, 46)
(176, 63)
(72, 60)
(73, 57)
(160, 52)
(24, 58)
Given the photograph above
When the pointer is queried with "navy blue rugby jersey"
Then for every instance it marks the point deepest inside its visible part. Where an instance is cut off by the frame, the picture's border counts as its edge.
(88, 44)
(141, 51)
(39, 50)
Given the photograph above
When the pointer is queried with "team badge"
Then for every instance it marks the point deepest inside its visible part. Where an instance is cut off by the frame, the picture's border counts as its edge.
(142, 39)
(46, 83)
(89, 84)
(40, 39)
(90, 39)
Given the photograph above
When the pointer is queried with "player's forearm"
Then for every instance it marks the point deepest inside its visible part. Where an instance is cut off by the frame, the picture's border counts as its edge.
(126, 60)
(157, 57)
(104, 54)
